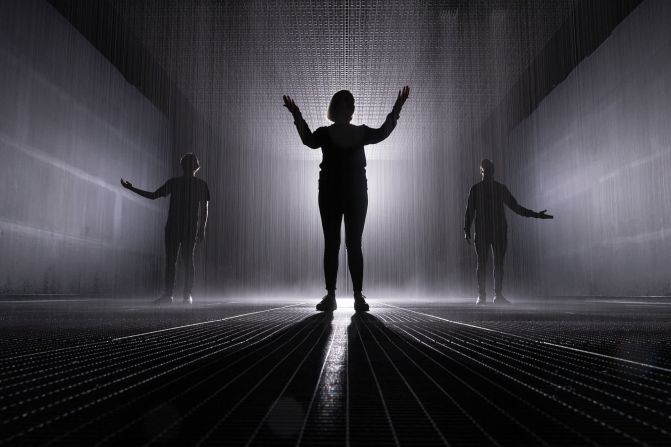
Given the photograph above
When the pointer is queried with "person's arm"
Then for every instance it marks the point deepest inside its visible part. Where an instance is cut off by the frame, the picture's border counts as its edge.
(160, 192)
(468, 217)
(374, 136)
(202, 221)
(307, 136)
(512, 203)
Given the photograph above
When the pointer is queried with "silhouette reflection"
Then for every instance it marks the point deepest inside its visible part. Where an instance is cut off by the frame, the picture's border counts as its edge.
(326, 423)
(295, 384)
(363, 379)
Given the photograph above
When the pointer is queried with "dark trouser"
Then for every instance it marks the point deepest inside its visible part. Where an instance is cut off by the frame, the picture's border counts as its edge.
(352, 203)
(498, 245)
(174, 241)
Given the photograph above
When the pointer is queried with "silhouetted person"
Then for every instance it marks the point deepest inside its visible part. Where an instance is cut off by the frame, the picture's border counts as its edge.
(343, 188)
(485, 203)
(187, 218)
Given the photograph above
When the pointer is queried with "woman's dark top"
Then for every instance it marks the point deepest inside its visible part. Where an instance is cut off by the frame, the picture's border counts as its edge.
(343, 156)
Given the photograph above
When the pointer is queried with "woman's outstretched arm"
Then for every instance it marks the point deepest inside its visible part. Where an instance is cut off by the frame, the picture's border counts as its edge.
(307, 137)
(376, 135)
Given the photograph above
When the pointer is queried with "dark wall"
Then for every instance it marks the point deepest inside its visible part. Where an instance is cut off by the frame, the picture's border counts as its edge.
(70, 126)
(597, 153)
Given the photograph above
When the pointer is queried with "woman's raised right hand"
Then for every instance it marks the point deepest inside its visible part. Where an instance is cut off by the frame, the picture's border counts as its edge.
(291, 105)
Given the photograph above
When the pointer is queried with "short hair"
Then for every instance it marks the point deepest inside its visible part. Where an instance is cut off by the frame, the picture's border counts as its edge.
(487, 165)
(341, 107)
(189, 162)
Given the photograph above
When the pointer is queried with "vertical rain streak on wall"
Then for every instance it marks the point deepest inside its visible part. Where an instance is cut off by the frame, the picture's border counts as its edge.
(70, 126)
(597, 153)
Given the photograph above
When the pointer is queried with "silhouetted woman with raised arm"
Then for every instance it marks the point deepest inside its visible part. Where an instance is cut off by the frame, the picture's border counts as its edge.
(343, 188)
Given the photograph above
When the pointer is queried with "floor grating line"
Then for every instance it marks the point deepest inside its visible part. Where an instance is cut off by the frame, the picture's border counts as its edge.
(279, 373)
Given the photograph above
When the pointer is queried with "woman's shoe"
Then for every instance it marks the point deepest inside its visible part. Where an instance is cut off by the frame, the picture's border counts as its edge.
(360, 304)
(327, 304)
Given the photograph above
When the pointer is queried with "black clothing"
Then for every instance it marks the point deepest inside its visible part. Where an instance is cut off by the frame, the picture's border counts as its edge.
(485, 203)
(352, 203)
(174, 245)
(498, 245)
(343, 189)
(186, 195)
(343, 156)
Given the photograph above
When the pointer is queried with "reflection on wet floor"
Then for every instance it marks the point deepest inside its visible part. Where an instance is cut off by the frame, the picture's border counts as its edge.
(280, 373)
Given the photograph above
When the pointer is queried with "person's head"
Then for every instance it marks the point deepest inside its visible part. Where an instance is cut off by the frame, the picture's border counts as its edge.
(486, 168)
(341, 107)
(189, 164)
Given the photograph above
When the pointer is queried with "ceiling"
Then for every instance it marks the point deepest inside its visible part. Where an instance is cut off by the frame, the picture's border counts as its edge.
(234, 60)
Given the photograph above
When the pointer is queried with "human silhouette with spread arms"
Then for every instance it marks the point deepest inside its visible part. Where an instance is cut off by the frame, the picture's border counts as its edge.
(187, 217)
(485, 203)
(343, 188)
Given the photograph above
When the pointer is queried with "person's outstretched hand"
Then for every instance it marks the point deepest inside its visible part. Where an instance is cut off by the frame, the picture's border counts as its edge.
(291, 105)
(467, 237)
(400, 100)
(543, 215)
(126, 184)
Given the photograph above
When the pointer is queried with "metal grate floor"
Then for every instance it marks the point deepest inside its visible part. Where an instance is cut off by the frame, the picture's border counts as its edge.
(275, 373)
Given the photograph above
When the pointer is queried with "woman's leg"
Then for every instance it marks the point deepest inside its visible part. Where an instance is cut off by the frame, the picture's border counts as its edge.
(331, 215)
(355, 219)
